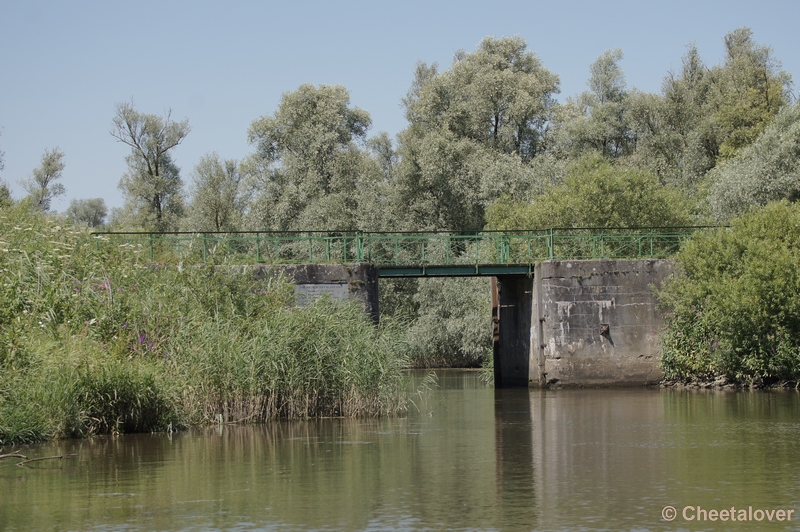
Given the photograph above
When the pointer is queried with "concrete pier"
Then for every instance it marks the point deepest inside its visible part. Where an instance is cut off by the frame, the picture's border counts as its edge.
(580, 323)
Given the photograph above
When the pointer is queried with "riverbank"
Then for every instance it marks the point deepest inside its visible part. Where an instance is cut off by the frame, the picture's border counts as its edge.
(93, 340)
(722, 383)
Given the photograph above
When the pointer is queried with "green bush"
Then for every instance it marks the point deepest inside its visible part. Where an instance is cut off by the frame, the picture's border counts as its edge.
(733, 308)
(596, 194)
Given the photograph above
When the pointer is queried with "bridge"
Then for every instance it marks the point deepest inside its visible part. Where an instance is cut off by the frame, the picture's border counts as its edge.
(569, 306)
(406, 254)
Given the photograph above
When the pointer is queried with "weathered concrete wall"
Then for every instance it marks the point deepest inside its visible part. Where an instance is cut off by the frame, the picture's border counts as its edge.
(343, 282)
(596, 322)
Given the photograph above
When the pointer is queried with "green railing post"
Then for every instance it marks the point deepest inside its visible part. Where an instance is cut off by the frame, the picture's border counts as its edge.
(204, 248)
(530, 251)
(602, 245)
(258, 248)
(360, 247)
(151, 246)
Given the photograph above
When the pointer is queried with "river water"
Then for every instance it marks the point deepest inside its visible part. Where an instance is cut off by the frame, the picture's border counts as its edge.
(466, 457)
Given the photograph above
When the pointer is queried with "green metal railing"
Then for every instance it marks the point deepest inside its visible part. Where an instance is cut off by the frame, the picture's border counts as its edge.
(405, 253)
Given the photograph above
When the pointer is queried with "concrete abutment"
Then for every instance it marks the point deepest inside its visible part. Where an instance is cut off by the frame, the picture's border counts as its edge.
(341, 282)
(580, 323)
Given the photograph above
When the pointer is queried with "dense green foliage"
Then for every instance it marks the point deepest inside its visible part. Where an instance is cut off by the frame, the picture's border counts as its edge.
(596, 194)
(450, 320)
(765, 171)
(94, 342)
(733, 309)
(91, 212)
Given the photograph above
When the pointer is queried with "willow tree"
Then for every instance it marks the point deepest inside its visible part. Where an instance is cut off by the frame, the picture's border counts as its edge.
(472, 130)
(152, 186)
(706, 115)
(41, 186)
(217, 196)
(767, 170)
(597, 120)
(750, 89)
(91, 212)
(307, 160)
(677, 137)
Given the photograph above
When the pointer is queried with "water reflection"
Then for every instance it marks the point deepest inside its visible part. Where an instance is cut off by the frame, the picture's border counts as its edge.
(466, 457)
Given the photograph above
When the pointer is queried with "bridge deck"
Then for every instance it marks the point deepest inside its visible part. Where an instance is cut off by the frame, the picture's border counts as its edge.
(405, 254)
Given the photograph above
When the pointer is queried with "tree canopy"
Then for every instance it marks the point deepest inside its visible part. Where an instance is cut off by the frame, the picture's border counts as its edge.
(152, 186)
(91, 212)
(41, 186)
(307, 160)
(596, 194)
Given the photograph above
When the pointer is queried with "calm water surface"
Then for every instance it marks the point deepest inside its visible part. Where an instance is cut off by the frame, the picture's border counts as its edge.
(467, 457)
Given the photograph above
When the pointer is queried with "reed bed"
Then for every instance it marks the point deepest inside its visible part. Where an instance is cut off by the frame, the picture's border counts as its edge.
(96, 340)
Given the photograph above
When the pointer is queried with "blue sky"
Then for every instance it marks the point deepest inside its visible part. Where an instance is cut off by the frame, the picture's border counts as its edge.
(64, 65)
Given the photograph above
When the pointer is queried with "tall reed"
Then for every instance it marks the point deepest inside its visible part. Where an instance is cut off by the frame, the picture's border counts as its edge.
(94, 339)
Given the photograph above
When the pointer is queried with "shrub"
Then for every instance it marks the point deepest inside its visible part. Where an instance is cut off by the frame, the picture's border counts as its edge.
(733, 308)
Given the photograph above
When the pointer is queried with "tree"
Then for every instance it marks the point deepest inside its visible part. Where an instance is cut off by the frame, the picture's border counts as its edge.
(706, 115)
(472, 131)
(749, 89)
(677, 137)
(453, 323)
(41, 187)
(597, 120)
(596, 194)
(217, 202)
(767, 170)
(91, 212)
(152, 201)
(152, 186)
(5, 195)
(307, 160)
(376, 193)
(498, 95)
